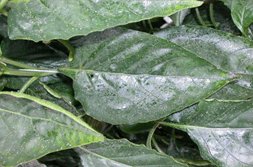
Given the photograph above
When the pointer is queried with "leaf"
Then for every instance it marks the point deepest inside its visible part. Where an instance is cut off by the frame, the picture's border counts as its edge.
(225, 51)
(122, 153)
(242, 13)
(65, 100)
(45, 20)
(137, 128)
(34, 54)
(222, 129)
(32, 128)
(25, 50)
(126, 77)
(34, 163)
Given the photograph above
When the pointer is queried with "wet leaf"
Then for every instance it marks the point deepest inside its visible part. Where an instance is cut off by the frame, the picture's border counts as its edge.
(125, 77)
(45, 20)
(32, 128)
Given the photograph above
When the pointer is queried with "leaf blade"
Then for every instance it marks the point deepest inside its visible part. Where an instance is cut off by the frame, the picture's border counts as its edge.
(65, 19)
(221, 129)
(123, 153)
(225, 51)
(34, 133)
(241, 11)
(121, 71)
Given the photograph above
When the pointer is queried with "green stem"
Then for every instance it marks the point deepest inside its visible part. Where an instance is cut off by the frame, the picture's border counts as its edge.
(144, 24)
(150, 26)
(70, 48)
(51, 91)
(29, 72)
(211, 13)
(201, 21)
(28, 83)
(3, 3)
(177, 21)
(249, 34)
(157, 146)
(15, 63)
(150, 136)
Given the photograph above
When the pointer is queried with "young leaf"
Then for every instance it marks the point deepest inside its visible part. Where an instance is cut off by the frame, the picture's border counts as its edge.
(222, 129)
(122, 153)
(39, 20)
(125, 77)
(225, 51)
(242, 13)
(31, 128)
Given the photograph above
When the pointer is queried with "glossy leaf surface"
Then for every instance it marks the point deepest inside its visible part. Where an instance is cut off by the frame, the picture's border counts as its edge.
(126, 77)
(32, 128)
(39, 20)
(122, 153)
(224, 50)
(222, 129)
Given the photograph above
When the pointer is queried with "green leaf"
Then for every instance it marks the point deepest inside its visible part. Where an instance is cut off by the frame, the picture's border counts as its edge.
(224, 50)
(65, 99)
(31, 128)
(127, 77)
(122, 153)
(62, 19)
(242, 13)
(222, 129)
(33, 163)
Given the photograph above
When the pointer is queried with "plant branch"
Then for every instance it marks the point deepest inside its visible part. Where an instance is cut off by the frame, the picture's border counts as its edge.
(150, 26)
(70, 48)
(211, 13)
(150, 136)
(29, 72)
(157, 146)
(28, 83)
(201, 21)
(15, 63)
